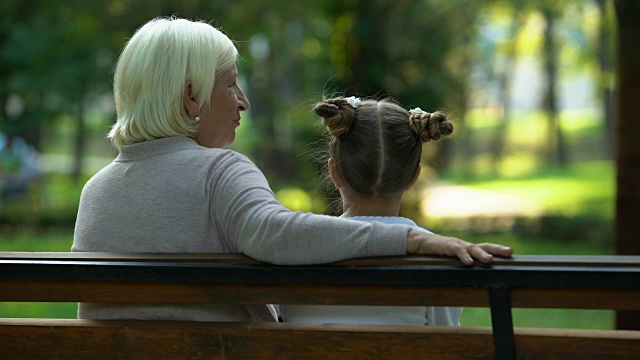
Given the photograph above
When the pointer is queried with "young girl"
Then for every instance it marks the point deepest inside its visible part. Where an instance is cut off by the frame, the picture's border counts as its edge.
(374, 151)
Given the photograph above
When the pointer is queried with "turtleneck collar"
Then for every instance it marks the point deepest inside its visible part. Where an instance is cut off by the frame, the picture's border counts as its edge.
(153, 147)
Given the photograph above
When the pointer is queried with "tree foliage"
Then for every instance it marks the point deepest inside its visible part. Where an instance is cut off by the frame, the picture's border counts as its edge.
(57, 57)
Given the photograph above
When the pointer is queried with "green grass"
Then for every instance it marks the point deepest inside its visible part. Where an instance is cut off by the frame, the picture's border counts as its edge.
(580, 188)
(24, 239)
(545, 318)
(38, 310)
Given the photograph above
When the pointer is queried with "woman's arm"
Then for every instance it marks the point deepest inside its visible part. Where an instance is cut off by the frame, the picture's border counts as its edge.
(252, 221)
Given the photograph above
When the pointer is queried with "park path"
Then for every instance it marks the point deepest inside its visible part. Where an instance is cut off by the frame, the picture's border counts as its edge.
(448, 200)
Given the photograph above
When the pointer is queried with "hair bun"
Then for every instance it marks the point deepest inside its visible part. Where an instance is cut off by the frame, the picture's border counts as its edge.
(337, 115)
(326, 110)
(430, 126)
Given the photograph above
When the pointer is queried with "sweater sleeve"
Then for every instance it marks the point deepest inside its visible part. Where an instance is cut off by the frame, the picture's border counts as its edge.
(253, 222)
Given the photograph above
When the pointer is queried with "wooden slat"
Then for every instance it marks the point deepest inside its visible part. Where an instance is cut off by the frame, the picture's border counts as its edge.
(53, 291)
(181, 340)
(575, 344)
(576, 298)
(155, 257)
(516, 261)
(84, 339)
(117, 292)
(324, 275)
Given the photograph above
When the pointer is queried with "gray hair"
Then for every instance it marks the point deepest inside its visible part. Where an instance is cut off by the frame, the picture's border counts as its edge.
(151, 73)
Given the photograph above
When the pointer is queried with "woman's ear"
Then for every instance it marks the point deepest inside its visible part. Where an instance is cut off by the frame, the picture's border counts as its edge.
(415, 177)
(334, 174)
(189, 100)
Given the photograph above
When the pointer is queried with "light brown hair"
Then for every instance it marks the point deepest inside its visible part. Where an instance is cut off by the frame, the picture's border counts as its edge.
(376, 147)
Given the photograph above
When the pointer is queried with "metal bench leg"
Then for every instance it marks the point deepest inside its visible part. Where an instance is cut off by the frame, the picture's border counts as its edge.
(503, 337)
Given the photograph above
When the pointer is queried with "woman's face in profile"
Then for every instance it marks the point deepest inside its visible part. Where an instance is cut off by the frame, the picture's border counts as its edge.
(221, 118)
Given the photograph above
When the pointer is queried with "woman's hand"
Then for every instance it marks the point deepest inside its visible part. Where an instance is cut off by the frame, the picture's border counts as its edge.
(421, 243)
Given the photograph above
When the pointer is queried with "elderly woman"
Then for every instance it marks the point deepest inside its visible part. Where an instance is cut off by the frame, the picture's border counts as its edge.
(173, 188)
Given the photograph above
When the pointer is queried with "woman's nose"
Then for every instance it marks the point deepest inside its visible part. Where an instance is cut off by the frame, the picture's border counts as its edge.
(243, 102)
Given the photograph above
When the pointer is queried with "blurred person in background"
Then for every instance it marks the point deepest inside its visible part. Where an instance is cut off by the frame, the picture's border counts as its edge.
(19, 166)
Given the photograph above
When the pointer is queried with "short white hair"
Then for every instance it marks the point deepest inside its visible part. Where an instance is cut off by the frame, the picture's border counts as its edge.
(151, 72)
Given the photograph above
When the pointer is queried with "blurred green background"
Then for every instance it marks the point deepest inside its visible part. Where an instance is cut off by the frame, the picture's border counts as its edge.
(530, 85)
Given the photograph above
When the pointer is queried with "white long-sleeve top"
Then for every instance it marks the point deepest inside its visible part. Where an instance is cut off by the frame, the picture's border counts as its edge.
(388, 315)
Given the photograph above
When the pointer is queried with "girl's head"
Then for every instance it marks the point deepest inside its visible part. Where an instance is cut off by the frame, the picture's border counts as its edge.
(375, 146)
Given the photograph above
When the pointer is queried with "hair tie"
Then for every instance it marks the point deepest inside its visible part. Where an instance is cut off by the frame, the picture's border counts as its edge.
(354, 101)
(418, 121)
(416, 110)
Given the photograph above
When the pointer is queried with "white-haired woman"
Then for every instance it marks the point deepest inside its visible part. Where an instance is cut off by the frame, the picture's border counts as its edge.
(173, 188)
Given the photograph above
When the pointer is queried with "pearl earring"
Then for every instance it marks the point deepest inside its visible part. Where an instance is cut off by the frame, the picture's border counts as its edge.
(197, 118)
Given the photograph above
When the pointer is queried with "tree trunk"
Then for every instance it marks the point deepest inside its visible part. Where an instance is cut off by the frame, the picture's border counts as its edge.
(371, 65)
(79, 140)
(607, 72)
(628, 151)
(466, 138)
(263, 108)
(505, 81)
(272, 74)
(557, 149)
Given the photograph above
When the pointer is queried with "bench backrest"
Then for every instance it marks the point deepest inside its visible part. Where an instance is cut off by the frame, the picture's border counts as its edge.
(595, 282)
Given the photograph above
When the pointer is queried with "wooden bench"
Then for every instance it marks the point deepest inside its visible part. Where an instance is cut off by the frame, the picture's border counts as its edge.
(592, 282)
